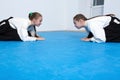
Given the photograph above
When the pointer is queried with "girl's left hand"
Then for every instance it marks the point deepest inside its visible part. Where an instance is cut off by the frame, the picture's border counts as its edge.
(40, 39)
(86, 39)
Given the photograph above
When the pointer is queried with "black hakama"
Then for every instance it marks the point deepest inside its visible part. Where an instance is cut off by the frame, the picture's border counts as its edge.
(7, 33)
(112, 31)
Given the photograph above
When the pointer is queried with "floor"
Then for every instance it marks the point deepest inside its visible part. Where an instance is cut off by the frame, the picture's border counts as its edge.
(62, 56)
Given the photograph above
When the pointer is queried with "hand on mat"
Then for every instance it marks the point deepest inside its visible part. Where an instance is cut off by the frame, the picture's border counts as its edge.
(86, 39)
(40, 38)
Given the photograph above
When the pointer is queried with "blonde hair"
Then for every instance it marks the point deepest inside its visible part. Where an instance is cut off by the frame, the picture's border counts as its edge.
(34, 15)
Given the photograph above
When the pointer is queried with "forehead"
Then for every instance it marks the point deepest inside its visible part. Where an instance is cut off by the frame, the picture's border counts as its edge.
(75, 21)
(40, 17)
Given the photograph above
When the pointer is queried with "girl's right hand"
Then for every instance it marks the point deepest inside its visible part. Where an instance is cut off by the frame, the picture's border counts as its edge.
(86, 39)
(40, 38)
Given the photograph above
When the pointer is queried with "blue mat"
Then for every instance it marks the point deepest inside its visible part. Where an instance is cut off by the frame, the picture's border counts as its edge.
(62, 56)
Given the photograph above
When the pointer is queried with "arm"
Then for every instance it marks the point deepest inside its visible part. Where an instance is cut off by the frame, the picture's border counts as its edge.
(90, 35)
(98, 34)
(98, 37)
(24, 35)
(88, 38)
(33, 33)
(39, 37)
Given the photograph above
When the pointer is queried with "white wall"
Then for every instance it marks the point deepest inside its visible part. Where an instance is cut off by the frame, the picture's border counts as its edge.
(53, 11)
(112, 6)
(74, 7)
(57, 13)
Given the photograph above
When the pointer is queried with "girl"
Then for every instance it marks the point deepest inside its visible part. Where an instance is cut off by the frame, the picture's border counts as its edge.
(101, 28)
(19, 29)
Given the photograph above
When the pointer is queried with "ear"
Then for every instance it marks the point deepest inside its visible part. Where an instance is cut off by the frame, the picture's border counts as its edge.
(34, 20)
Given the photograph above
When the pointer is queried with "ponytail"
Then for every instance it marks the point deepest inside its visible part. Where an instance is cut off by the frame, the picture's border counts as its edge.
(112, 15)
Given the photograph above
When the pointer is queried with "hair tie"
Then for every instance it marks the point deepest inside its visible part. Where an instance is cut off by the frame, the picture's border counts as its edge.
(31, 13)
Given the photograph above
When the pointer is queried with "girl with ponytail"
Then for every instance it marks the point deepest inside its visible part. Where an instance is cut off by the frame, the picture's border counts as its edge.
(105, 28)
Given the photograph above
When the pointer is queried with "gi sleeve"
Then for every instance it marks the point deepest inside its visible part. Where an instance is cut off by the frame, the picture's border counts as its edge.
(23, 33)
(98, 33)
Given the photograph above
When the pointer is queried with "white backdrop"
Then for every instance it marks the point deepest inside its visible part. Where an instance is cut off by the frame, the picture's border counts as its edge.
(57, 14)
(112, 7)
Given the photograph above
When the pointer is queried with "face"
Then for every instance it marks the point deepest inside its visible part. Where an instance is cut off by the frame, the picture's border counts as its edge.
(79, 24)
(37, 22)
